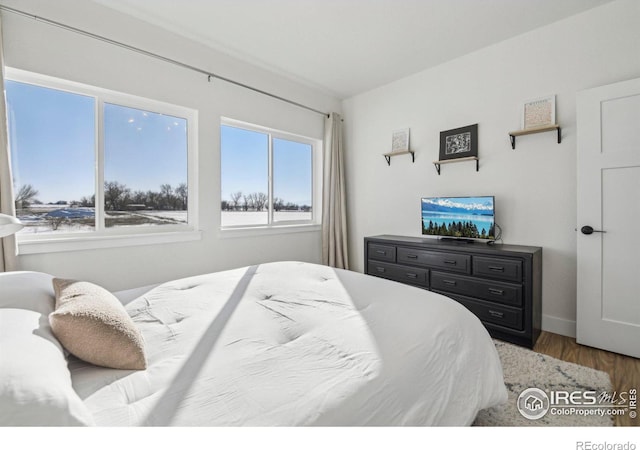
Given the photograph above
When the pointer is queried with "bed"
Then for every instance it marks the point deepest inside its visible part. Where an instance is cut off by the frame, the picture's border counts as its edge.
(276, 344)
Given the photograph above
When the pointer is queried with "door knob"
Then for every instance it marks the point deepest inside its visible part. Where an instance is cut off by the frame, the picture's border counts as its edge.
(589, 230)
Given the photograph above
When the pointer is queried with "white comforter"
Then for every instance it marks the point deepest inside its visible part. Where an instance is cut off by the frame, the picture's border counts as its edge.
(292, 344)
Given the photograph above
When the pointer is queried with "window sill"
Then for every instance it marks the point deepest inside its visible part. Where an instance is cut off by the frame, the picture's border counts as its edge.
(76, 243)
(236, 232)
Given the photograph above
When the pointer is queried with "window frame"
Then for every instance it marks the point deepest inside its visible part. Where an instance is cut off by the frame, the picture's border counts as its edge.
(278, 227)
(102, 236)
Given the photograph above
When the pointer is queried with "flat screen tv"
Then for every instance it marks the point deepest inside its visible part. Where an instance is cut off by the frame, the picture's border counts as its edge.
(465, 218)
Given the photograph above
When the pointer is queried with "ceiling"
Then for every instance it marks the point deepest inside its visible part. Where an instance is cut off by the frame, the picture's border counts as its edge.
(346, 47)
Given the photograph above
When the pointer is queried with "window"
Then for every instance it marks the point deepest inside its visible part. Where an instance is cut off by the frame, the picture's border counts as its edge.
(52, 141)
(145, 168)
(88, 162)
(268, 178)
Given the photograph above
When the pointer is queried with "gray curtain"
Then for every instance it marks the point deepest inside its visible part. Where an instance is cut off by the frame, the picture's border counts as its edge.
(8, 260)
(334, 208)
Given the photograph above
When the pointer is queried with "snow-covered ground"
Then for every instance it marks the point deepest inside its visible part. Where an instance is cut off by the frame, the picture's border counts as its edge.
(49, 219)
(239, 218)
(176, 216)
(64, 228)
(37, 222)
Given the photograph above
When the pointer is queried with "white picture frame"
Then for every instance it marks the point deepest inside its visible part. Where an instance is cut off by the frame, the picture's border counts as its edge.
(400, 140)
(539, 112)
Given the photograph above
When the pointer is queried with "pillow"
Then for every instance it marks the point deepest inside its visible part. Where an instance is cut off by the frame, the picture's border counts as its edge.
(35, 383)
(93, 325)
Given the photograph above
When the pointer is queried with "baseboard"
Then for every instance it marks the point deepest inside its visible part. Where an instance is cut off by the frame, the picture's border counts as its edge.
(559, 326)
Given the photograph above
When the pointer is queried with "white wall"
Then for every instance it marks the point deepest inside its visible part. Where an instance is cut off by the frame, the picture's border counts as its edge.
(41, 48)
(534, 185)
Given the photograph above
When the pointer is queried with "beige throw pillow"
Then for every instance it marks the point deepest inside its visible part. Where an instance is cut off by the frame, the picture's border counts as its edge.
(93, 325)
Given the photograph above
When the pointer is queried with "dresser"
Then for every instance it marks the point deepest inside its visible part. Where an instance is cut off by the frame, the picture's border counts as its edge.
(499, 283)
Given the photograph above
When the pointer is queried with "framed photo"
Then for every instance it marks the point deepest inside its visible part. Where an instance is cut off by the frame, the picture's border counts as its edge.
(539, 112)
(400, 140)
(459, 142)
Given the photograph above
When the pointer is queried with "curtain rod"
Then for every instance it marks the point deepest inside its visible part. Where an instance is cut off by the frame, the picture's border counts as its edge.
(155, 55)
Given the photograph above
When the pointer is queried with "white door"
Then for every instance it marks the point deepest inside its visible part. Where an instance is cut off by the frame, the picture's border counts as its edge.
(608, 313)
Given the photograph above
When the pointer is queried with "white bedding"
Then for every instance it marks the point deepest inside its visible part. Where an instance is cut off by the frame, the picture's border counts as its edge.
(289, 344)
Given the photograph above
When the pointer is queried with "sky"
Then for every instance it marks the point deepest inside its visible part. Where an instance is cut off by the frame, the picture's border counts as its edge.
(470, 203)
(52, 141)
(143, 149)
(52, 138)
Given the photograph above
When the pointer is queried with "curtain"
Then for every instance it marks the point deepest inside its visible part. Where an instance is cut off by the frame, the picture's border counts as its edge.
(334, 208)
(8, 260)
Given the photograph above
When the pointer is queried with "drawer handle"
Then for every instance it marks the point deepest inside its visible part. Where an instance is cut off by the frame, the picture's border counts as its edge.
(497, 314)
(380, 269)
(451, 262)
(496, 269)
(412, 275)
(496, 291)
(412, 256)
(449, 282)
(381, 252)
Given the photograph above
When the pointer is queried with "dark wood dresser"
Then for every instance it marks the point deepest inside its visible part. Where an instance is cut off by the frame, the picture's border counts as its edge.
(501, 284)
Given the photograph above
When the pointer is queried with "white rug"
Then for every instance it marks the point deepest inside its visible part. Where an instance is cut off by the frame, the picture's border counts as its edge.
(524, 369)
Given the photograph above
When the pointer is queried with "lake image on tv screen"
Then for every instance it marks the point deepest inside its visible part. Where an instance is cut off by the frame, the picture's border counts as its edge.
(459, 217)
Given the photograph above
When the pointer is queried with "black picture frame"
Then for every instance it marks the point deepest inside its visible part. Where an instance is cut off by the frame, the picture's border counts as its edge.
(459, 142)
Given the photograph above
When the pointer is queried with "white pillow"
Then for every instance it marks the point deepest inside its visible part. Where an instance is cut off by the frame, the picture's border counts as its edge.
(35, 383)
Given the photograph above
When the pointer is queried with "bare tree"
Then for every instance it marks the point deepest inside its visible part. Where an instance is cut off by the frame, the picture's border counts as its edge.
(88, 201)
(235, 199)
(278, 204)
(25, 196)
(260, 200)
(167, 193)
(249, 202)
(182, 191)
(55, 222)
(139, 198)
(119, 197)
(116, 196)
(155, 199)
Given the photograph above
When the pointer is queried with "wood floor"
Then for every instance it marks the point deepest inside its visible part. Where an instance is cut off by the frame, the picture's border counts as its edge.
(624, 371)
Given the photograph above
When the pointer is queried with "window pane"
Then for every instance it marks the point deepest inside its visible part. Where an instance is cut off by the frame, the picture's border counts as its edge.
(292, 185)
(52, 141)
(145, 168)
(245, 177)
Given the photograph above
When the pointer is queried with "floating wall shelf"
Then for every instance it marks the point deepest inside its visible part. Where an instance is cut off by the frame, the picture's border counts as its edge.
(388, 156)
(447, 161)
(513, 134)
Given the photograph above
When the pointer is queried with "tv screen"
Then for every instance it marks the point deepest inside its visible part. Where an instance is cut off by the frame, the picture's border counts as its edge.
(459, 217)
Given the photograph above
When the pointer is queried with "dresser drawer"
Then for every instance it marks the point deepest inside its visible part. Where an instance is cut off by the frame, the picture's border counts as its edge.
(492, 313)
(494, 291)
(409, 275)
(452, 262)
(503, 269)
(382, 252)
